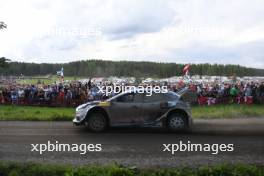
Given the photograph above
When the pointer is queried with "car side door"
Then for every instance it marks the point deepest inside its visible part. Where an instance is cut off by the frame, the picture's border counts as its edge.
(151, 107)
(125, 108)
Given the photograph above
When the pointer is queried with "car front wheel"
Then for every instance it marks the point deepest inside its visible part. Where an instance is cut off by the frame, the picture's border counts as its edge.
(176, 122)
(97, 122)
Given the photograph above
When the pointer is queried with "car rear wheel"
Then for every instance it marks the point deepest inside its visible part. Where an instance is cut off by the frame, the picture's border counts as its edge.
(176, 122)
(97, 122)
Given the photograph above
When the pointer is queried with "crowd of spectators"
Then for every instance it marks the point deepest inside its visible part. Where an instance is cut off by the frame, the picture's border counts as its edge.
(72, 94)
(76, 93)
(239, 93)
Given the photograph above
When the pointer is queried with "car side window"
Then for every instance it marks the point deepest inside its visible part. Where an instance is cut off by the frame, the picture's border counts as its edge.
(130, 98)
(155, 97)
(138, 98)
(127, 98)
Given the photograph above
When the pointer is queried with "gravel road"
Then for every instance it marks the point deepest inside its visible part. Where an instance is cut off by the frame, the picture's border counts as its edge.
(140, 147)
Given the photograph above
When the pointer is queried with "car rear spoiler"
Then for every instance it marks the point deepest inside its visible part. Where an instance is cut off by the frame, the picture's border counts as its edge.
(182, 91)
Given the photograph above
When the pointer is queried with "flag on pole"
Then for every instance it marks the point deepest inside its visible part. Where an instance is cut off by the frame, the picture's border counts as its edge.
(2, 25)
(186, 69)
(61, 74)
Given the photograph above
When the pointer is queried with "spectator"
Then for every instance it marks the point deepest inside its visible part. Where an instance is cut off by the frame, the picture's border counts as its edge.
(76, 93)
(234, 93)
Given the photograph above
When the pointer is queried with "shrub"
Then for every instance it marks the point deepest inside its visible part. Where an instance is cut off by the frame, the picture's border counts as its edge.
(32, 169)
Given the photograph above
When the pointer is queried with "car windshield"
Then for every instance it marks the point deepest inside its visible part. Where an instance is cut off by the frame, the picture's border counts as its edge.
(114, 97)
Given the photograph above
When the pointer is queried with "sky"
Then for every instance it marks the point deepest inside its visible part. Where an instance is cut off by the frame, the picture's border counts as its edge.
(179, 31)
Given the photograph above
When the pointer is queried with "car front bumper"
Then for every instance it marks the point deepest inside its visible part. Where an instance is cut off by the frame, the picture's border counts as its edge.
(76, 122)
(79, 117)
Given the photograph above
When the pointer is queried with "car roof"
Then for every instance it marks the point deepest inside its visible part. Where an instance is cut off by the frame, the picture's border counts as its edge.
(125, 92)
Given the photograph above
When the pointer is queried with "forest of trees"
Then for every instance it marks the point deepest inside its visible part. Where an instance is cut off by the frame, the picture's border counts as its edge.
(91, 68)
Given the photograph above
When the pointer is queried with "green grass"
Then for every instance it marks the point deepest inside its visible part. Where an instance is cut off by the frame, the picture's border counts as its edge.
(13, 112)
(227, 111)
(52, 80)
(26, 169)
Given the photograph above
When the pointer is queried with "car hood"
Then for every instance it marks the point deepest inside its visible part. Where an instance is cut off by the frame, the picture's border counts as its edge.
(94, 103)
(83, 106)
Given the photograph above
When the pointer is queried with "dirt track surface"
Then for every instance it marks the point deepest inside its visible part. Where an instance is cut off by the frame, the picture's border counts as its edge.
(134, 146)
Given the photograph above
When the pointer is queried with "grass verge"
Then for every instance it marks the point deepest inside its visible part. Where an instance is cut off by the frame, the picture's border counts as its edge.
(51, 80)
(12, 112)
(227, 111)
(15, 169)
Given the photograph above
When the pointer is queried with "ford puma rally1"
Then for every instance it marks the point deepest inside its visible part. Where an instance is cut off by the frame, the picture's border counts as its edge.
(137, 109)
